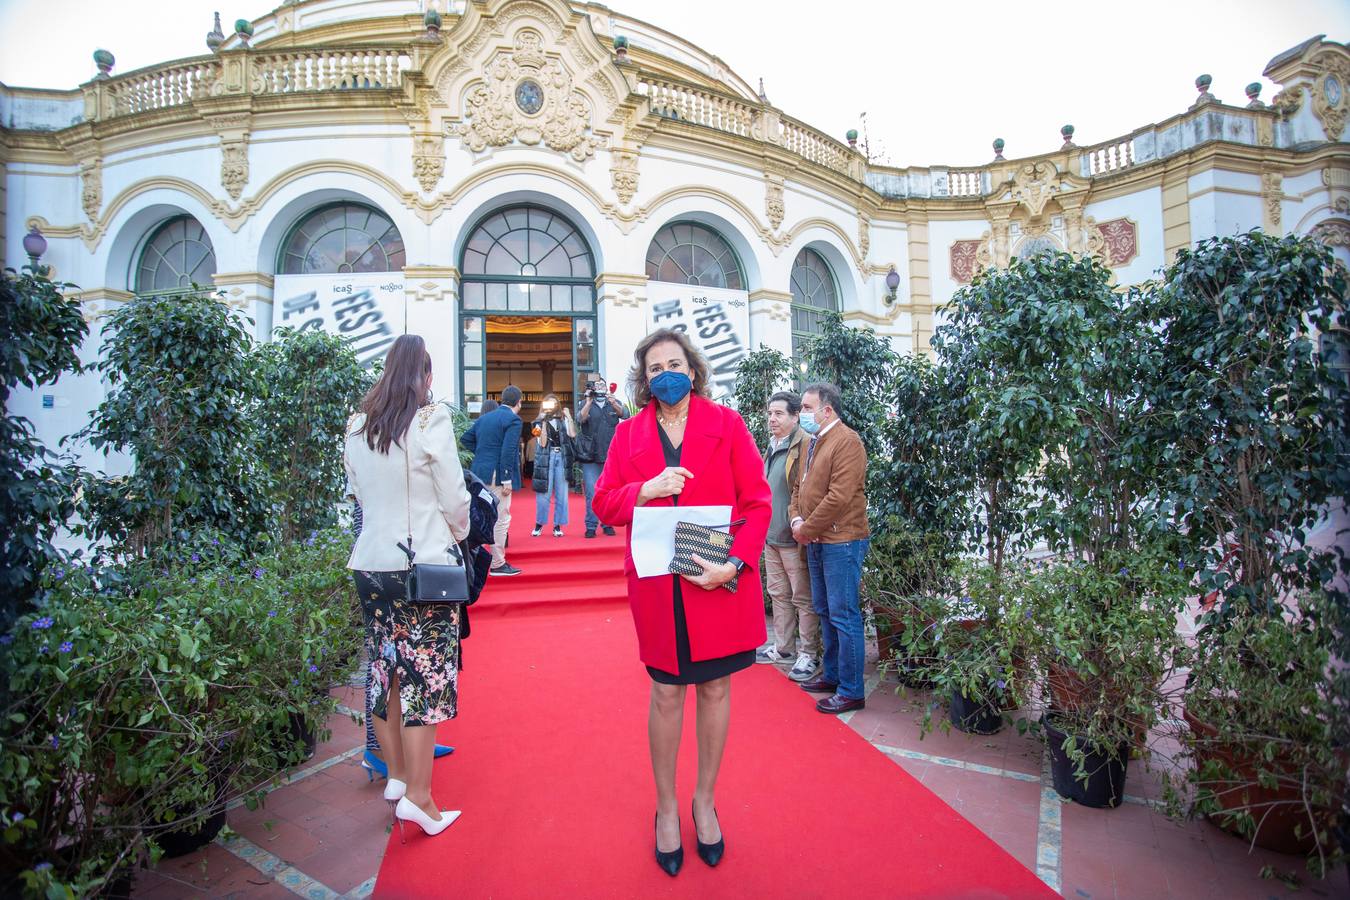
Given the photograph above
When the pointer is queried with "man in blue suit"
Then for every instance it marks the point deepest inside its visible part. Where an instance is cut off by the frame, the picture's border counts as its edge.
(494, 439)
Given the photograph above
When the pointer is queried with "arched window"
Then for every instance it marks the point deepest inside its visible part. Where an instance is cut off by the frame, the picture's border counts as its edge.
(814, 293)
(690, 253)
(342, 238)
(177, 256)
(527, 259)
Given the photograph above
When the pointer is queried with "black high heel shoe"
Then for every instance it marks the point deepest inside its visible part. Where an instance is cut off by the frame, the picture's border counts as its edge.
(672, 861)
(709, 853)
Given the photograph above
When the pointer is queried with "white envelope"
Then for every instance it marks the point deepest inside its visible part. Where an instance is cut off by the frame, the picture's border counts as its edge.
(654, 533)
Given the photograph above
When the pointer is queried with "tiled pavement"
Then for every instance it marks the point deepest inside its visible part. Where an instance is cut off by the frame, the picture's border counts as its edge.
(323, 835)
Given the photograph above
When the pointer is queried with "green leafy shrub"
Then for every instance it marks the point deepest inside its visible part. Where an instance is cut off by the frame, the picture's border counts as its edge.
(135, 686)
(758, 376)
(858, 361)
(180, 387)
(310, 383)
(40, 333)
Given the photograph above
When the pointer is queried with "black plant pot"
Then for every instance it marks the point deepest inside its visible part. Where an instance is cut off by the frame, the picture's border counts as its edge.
(118, 886)
(182, 841)
(302, 732)
(1105, 784)
(972, 717)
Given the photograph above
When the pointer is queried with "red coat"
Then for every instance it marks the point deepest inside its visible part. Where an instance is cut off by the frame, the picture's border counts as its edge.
(728, 470)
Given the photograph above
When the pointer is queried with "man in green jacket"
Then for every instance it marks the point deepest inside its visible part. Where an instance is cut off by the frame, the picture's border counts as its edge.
(789, 581)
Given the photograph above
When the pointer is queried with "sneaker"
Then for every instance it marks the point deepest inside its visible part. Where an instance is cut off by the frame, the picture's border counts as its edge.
(770, 654)
(538, 529)
(609, 530)
(557, 531)
(805, 667)
(504, 569)
(590, 532)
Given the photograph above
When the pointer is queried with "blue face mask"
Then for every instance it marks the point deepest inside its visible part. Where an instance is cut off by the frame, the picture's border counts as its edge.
(671, 387)
(808, 422)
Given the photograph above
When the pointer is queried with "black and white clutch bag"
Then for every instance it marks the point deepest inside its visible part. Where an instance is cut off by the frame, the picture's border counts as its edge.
(705, 541)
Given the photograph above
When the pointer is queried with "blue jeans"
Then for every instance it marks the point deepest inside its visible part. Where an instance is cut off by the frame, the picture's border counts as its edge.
(836, 575)
(557, 489)
(590, 473)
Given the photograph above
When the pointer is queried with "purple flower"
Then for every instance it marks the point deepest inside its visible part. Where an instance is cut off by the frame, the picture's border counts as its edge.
(56, 742)
(192, 581)
(215, 542)
(42, 866)
(59, 573)
(271, 614)
(309, 541)
(196, 557)
(1027, 615)
(314, 670)
(40, 624)
(1001, 684)
(967, 599)
(67, 646)
(6, 638)
(231, 579)
(42, 649)
(19, 817)
(258, 573)
(1123, 573)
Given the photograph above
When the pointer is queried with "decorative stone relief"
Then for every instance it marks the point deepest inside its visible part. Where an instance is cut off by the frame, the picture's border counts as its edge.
(1331, 93)
(530, 98)
(1265, 132)
(1287, 101)
(1333, 233)
(1034, 184)
(626, 298)
(779, 312)
(864, 235)
(623, 175)
(234, 167)
(970, 258)
(91, 189)
(773, 199)
(1119, 241)
(1272, 195)
(428, 160)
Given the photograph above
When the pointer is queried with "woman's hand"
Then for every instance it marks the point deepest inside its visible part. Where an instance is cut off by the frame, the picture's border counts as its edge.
(714, 575)
(668, 483)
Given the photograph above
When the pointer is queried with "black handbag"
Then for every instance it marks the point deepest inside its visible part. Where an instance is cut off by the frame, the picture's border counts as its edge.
(432, 582)
(705, 541)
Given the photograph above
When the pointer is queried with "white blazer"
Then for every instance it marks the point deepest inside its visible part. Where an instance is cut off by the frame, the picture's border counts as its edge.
(421, 480)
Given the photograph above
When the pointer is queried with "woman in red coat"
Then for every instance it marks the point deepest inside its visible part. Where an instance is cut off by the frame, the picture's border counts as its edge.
(684, 449)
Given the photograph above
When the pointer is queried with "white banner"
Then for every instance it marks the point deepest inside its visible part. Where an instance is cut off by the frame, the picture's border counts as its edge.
(368, 309)
(716, 319)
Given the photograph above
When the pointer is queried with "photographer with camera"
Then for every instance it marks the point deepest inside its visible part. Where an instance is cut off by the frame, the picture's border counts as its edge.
(598, 416)
(555, 436)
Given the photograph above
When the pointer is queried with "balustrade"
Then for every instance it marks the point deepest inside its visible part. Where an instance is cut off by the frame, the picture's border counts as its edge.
(965, 182)
(1109, 157)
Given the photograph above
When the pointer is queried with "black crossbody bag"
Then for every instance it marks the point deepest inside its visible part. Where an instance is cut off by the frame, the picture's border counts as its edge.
(432, 582)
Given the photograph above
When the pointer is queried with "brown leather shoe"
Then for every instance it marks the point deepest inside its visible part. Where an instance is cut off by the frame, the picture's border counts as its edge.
(819, 686)
(836, 704)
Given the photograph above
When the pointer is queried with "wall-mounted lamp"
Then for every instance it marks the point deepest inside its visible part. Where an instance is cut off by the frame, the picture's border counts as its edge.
(892, 284)
(34, 244)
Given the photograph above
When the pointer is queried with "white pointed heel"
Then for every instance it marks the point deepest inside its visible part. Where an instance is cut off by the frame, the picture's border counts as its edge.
(407, 811)
(393, 792)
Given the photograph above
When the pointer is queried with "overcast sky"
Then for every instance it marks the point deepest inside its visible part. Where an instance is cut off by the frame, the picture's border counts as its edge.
(937, 80)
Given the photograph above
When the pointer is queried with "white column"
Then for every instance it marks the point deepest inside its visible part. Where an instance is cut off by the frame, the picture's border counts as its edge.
(249, 295)
(621, 307)
(771, 320)
(432, 302)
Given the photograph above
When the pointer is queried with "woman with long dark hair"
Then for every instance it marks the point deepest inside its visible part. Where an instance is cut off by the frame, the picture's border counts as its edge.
(403, 466)
(682, 449)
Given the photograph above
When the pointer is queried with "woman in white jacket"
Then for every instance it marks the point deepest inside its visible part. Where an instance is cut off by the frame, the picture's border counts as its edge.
(404, 468)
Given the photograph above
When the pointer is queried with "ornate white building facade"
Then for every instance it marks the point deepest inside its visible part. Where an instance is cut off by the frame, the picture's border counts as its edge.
(534, 184)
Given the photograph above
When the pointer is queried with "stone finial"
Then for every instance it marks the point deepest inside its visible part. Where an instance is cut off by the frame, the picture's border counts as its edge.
(1254, 96)
(852, 137)
(1202, 84)
(243, 28)
(763, 97)
(621, 48)
(105, 61)
(215, 37)
(998, 148)
(432, 21)
(1067, 133)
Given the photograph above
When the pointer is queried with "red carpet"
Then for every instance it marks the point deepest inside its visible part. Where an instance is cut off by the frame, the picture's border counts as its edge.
(553, 776)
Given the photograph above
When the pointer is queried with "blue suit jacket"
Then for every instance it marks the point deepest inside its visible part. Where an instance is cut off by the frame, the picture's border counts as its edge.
(495, 442)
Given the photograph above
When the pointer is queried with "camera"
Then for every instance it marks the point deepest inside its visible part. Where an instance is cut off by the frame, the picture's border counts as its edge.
(596, 390)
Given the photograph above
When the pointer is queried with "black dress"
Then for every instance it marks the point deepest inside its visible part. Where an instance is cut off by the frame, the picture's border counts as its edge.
(705, 669)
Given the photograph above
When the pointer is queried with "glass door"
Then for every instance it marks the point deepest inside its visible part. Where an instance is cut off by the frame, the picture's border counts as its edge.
(473, 362)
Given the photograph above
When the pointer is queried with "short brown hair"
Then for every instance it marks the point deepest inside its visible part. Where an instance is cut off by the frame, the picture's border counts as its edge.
(699, 370)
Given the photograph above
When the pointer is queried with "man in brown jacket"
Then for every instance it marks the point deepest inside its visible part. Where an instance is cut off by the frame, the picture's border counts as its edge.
(829, 515)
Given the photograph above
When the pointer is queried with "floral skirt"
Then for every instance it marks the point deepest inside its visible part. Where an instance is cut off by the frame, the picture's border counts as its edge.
(418, 642)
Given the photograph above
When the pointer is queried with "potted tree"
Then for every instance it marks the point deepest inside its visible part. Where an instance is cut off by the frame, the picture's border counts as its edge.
(1256, 422)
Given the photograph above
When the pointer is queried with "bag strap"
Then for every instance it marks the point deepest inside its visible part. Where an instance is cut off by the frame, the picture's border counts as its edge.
(407, 495)
(738, 522)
